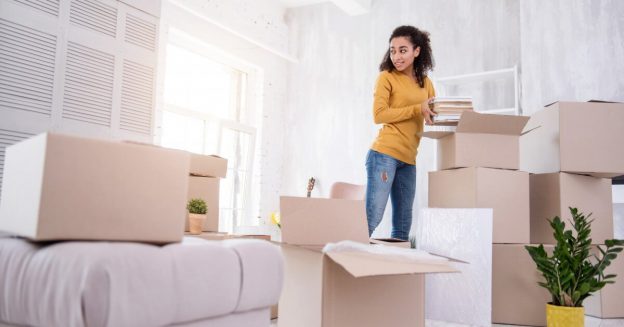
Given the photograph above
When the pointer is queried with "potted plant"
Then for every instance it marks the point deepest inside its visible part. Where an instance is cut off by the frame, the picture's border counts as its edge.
(197, 215)
(571, 272)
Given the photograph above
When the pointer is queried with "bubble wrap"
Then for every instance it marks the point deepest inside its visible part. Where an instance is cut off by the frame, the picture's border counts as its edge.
(389, 252)
(466, 235)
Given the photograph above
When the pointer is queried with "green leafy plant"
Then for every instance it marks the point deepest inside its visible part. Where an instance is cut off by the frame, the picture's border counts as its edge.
(571, 273)
(197, 206)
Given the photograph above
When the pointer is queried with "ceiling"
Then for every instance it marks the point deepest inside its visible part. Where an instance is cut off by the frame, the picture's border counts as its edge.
(350, 7)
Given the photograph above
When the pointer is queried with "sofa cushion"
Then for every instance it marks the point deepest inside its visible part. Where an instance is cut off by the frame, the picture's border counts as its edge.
(130, 284)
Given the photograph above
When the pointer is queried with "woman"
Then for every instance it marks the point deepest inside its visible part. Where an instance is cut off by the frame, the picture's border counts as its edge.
(403, 93)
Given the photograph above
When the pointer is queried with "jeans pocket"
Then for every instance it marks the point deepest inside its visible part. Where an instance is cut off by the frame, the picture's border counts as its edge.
(368, 157)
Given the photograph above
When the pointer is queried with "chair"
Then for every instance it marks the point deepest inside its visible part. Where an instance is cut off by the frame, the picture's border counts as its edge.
(347, 191)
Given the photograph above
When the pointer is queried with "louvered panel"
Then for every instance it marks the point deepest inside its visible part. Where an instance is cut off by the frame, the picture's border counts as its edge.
(88, 85)
(136, 98)
(140, 32)
(26, 68)
(7, 138)
(49, 6)
(95, 16)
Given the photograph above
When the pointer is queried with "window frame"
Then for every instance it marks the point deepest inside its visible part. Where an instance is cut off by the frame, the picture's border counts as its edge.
(247, 104)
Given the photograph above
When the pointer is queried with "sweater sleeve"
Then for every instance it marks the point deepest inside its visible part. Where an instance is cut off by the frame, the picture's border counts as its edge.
(430, 89)
(382, 112)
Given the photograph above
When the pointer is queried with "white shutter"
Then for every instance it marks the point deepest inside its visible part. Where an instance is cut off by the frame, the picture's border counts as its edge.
(85, 67)
(26, 68)
(49, 6)
(94, 15)
(140, 32)
(88, 85)
(136, 98)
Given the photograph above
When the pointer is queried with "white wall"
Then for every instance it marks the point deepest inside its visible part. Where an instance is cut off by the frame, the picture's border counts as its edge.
(571, 50)
(329, 112)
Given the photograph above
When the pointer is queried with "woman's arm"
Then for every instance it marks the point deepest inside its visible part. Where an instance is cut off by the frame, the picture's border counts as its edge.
(382, 113)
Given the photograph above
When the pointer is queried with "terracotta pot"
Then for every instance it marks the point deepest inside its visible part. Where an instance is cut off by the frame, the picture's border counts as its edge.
(558, 316)
(196, 223)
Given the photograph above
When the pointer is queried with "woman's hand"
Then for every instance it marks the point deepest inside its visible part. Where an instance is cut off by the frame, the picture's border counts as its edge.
(426, 112)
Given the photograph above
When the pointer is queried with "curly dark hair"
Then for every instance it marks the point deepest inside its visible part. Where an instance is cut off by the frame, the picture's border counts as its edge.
(423, 63)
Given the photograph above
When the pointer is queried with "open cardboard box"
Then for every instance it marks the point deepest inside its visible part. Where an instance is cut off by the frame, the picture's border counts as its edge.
(481, 140)
(575, 137)
(344, 289)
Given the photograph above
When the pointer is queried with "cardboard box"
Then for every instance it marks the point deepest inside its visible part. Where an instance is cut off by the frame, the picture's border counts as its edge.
(575, 137)
(481, 140)
(607, 303)
(208, 165)
(553, 194)
(207, 189)
(60, 187)
(506, 191)
(343, 289)
(517, 299)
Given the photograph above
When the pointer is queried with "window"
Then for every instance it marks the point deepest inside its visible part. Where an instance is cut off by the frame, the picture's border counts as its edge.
(203, 112)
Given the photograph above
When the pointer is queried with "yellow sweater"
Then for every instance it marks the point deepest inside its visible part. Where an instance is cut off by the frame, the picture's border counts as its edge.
(397, 107)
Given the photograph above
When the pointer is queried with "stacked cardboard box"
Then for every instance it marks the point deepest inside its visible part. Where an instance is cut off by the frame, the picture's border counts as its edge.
(206, 172)
(346, 289)
(480, 164)
(571, 149)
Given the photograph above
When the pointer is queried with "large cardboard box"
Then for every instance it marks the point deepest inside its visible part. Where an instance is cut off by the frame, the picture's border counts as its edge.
(344, 289)
(481, 140)
(553, 194)
(575, 137)
(607, 303)
(517, 299)
(506, 191)
(207, 189)
(61, 187)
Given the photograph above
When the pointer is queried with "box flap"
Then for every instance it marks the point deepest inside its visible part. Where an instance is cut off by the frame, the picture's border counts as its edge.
(363, 264)
(436, 134)
(472, 122)
(318, 221)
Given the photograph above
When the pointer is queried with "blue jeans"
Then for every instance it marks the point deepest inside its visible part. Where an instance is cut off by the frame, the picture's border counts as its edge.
(390, 177)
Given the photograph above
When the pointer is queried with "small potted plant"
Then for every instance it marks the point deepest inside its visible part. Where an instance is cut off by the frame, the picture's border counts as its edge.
(572, 273)
(197, 215)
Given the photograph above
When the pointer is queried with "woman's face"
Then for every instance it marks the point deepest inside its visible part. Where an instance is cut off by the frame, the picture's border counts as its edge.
(402, 53)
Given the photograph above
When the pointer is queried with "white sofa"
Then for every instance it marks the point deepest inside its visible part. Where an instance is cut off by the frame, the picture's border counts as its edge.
(193, 283)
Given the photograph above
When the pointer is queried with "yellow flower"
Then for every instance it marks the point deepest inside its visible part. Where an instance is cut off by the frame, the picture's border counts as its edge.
(275, 219)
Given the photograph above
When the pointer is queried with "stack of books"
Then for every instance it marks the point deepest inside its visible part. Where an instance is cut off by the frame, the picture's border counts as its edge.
(450, 108)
